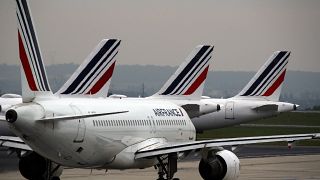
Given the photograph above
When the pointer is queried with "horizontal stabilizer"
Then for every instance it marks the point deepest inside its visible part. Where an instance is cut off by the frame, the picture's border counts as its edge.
(267, 107)
(81, 116)
(196, 110)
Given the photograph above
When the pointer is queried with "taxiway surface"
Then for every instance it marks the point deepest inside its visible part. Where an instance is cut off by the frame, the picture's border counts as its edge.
(303, 164)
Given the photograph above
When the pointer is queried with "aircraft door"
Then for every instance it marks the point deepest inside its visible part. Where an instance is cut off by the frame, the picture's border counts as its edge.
(152, 125)
(229, 110)
(81, 130)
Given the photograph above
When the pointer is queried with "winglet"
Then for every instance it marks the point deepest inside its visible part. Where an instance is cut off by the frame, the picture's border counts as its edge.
(188, 81)
(34, 77)
(267, 82)
(94, 75)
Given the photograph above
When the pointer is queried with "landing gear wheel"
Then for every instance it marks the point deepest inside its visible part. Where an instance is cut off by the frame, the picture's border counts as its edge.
(55, 178)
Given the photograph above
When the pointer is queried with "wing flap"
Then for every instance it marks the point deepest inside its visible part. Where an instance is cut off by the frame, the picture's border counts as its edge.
(13, 142)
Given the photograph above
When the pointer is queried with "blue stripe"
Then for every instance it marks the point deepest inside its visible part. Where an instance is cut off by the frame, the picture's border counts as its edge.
(180, 89)
(189, 79)
(31, 55)
(270, 75)
(42, 76)
(264, 73)
(90, 66)
(27, 48)
(198, 73)
(96, 69)
(185, 71)
(275, 76)
(104, 69)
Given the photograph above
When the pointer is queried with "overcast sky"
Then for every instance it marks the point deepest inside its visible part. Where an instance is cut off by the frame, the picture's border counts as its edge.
(163, 32)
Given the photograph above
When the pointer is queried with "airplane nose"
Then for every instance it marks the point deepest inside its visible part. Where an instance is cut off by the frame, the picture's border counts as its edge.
(11, 116)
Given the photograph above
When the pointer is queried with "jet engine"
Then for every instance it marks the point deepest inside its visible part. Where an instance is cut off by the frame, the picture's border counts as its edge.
(221, 165)
(34, 166)
(4, 108)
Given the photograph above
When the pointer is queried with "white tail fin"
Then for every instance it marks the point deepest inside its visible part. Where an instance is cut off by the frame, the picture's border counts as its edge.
(93, 76)
(34, 79)
(188, 81)
(267, 82)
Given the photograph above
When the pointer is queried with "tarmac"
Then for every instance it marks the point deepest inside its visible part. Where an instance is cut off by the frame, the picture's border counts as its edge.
(289, 167)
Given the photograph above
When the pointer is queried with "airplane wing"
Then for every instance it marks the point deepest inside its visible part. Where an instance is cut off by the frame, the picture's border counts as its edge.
(13, 142)
(218, 143)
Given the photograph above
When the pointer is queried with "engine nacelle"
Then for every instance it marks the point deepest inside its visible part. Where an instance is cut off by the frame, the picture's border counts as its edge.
(222, 165)
(34, 166)
(4, 108)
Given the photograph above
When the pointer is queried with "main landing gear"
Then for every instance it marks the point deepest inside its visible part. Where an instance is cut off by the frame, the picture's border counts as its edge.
(35, 167)
(167, 166)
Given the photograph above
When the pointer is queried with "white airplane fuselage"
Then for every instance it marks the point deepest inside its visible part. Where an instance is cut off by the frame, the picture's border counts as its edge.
(236, 111)
(103, 141)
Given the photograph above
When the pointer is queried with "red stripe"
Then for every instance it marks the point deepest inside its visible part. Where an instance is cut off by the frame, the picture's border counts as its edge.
(102, 81)
(197, 82)
(275, 85)
(26, 65)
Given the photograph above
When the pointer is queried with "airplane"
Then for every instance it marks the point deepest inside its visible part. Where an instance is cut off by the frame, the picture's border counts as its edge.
(185, 86)
(258, 99)
(106, 134)
(91, 79)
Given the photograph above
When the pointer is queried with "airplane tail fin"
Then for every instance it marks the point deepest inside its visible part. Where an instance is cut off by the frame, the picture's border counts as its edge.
(267, 82)
(94, 75)
(33, 74)
(188, 81)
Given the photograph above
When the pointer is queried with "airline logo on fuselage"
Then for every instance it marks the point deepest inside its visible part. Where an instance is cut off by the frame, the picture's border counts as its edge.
(167, 112)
